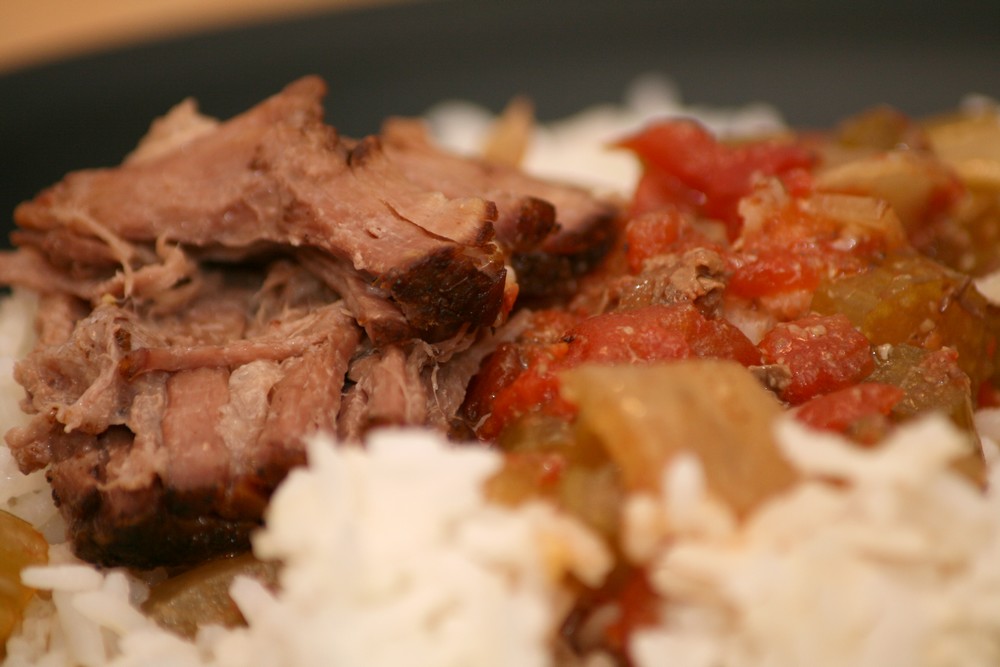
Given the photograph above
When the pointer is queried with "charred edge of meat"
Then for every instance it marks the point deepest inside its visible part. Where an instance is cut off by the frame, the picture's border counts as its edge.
(447, 291)
(151, 524)
(536, 220)
(542, 276)
(133, 527)
(155, 526)
(178, 541)
(143, 528)
(362, 150)
(592, 231)
(487, 233)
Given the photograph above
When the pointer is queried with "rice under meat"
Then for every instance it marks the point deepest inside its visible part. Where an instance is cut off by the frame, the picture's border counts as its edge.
(26, 496)
(400, 552)
(899, 564)
(391, 555)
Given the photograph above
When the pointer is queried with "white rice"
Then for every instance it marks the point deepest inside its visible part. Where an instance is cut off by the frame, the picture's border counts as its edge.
(25, 496)
(899, 565)
(392, 556)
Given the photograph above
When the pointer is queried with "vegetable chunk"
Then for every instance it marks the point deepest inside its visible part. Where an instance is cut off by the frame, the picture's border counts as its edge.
(20, 546)
(647, 415)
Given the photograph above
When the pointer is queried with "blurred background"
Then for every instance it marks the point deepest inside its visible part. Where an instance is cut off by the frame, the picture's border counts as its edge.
(80, 80)
(36, 31)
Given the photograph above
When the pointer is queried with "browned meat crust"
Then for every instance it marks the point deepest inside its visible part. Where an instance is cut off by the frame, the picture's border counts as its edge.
(234, 287)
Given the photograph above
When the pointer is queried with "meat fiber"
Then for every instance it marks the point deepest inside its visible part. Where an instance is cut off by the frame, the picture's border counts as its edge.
(553, 232)
(234, 287)
(278, 176)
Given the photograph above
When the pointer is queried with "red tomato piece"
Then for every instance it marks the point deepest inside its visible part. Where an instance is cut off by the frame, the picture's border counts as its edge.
(493, 389)
(843, 409)
(496, 373)
(823, 352)
(658, 189)
(773, 272)
(794, 246)
(798, 181)
(515, 380)
(651, 235)
(664, 231)
(687, 166)
(656, 333)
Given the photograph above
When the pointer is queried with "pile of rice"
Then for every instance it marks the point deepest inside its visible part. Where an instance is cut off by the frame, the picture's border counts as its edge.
(392, 556)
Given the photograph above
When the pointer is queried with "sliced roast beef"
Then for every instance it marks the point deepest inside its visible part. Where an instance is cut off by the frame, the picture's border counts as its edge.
(146, 420)
(278, 174)
(196, 452)
(553, 232)
(387, 390)
(235, 286)
(381, 318)
(528, 208)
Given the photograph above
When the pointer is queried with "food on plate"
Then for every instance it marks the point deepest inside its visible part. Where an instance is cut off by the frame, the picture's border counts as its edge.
(204, 304)
(21, 547)
(200, 596)
(467, 413)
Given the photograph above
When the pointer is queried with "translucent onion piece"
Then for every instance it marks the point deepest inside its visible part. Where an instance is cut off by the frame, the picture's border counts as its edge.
(716, 410)
(20, 546)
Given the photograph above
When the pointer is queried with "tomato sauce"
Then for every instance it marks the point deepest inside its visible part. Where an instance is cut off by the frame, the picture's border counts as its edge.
(860, 411)
(822, 295)
(517, 380)
(685, 165)
(823, 353)
(781, 237)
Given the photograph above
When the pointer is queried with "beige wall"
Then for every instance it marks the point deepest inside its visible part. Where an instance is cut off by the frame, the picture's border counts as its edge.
(33, 31)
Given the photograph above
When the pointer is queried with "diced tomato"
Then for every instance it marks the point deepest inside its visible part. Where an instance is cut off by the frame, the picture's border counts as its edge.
(772, 272)
(517, 380)
(793, 246)
(658, 189)
(667, 230)
(499, 369)
(823, 352)
(539, 345)
(686, 166)
(650, 235)
(549, 326)
(846, 409)
(798, 182)
(505, 390)
(656, 333)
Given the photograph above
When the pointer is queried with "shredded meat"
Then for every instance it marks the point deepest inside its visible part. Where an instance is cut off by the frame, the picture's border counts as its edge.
(233, 287)
(696, 277)
(553, 232)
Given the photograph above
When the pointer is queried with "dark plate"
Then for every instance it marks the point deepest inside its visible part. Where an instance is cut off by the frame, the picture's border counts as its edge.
(817, 62)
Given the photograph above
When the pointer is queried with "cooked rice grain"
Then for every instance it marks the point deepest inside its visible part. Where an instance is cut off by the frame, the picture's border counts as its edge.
(879, 557)
(25, 496)
(392, 556)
